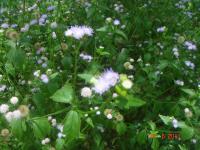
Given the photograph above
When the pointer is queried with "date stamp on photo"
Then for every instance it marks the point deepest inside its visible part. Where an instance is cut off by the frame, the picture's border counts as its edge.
(165, 136)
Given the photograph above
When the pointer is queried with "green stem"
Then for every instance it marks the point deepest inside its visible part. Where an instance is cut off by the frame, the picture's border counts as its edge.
(55, 113)
(75, 67)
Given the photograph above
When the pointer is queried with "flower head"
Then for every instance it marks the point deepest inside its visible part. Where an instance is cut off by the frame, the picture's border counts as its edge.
(107, 80)
(79, 32)
(86, 92)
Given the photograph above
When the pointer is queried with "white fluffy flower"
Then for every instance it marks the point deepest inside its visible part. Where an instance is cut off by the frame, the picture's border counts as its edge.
(179, 82)
(115, 95)
(107, 80)
(54, 36)
(127, 84)
(79, 32)
(54, 25)
(9, 116)
(175, 123)
(186, 110)
(37, 72)
(4, 108)
(86, 92)
(44, 78)
(109, 116)
(16, 114)
(45, 141)
(98, 113)
(116, 22)
(14, 100)
(60, 135)
(161, 29)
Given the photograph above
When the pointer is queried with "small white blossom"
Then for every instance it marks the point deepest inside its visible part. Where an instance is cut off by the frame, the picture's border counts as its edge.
(127, 84)
(98, 112)
(9, 116)
(17, 114)
(175, 123)
(4, 108)
(44, 78)
(14, 100)
(161, 29)
(109, 116)
(115, 95)
(116, 22)
(86, 92)
(179, 82)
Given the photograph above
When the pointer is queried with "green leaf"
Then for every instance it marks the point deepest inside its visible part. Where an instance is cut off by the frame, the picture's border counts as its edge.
(86, 77)
(102, 29)
(134, 101)
(10, 69)
(190, 92)
(60, 144)
(155, 144)
(120, 32)
(90, 122)
(64, 95)
(72, 125)
(166, 119)
(152, 125)
(142, 137)
(16, 57)
(121, 128)
(41, 128)
(186, 132)
(18, 128)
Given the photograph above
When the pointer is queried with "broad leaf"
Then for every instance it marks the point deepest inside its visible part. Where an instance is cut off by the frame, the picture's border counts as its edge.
(41, 128)
(64, 95)
(72, 125)
(18, 127)
(166, 119)
(134, 101)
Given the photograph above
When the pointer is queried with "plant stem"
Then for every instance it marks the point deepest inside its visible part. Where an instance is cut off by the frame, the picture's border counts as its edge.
(55, 113)
(75, 67)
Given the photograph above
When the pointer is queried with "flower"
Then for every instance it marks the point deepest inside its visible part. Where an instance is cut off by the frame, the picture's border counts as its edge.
(86, 57)
(54, 25)
(9, 116)
(5, 132)
(189, 64)
(188, 113)
(16, 114)
(14, 100)
(79, 32)
(5, 25)
(127, 84)
(86, 92)
(179, 82)
(107, 111)
(45, 141)
(4, 108)
(115, 95)
(107, 80)
(116, 22)
(98, 112)
(109, 116)
(161, 29)
(190, 45)
(24, 110)
(44, 78)
(119, 117)
(60, 135)
(175, 123)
